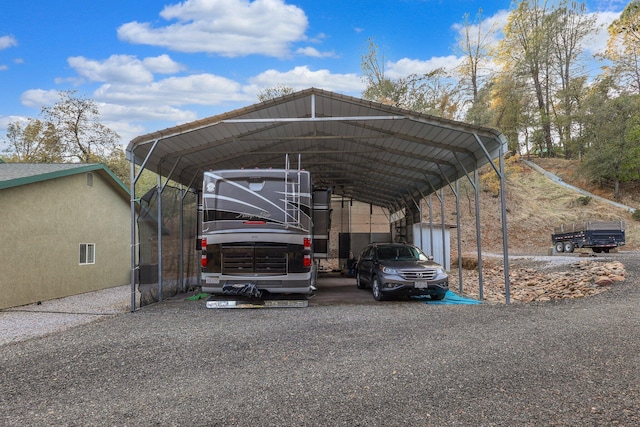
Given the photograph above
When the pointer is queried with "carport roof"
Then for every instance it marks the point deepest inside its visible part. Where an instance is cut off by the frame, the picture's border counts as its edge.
(367, 151)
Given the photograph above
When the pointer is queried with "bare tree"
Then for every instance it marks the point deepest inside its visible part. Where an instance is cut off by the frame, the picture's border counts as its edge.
(70, 131)
(433, 93)
(274, 92)
(79, 131)
(474, 43)
(379, 87)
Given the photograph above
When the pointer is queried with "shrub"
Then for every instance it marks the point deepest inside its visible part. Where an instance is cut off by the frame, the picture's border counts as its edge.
(636, 215)
(584, 200)
(489, 179)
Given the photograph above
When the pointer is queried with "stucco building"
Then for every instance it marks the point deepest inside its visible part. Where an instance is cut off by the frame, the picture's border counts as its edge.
(65, 230)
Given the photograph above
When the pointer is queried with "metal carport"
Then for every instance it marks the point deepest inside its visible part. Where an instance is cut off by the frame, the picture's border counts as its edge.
(366, 151)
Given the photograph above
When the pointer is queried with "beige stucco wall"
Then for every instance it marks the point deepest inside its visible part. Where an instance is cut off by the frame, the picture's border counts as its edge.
(43, 225)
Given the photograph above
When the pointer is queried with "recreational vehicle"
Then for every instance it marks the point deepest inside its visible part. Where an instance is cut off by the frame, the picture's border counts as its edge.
(257, 232)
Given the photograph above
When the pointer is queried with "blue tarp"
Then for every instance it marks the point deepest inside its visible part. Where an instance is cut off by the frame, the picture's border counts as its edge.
(450, 298)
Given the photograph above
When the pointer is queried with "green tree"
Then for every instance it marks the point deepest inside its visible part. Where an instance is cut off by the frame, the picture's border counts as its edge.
(542, 46)
(481, 111)
(33, 142)
(117, 162)
(509, 105)
(569, 26)
(525, 51)
(611, 130)
(623, 48)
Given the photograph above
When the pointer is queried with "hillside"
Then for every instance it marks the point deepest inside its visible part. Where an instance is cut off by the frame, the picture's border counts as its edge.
(535, 205)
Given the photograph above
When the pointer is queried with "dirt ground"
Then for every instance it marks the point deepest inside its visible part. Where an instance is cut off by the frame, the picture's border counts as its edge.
(568, 170)
(535, 205)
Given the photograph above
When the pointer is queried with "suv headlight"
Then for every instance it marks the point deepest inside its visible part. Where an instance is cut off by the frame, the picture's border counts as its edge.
(387, 270)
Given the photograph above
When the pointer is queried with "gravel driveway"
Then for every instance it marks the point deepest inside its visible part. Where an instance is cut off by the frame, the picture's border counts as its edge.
(382, 364)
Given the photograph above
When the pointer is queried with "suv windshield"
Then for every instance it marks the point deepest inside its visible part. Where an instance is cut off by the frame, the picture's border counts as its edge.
(386, 253)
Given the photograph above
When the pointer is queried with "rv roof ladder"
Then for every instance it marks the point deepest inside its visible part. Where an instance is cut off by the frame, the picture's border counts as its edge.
(291, 195)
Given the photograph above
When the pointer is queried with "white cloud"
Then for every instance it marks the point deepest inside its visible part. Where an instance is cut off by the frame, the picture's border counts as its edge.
(127, 114)
(225, 27)
(36, 98)
(126, 130)
(6, 120)
(123, 68)
(162, 64)
(319, 38)
(126, 120)
(302, 77)
(74, 81)
(406, 66)
(312, 51)
(4, 67)
(133, 121)
(197, 89)
(489, 27)
(128, 103)
(7, 42)
(596, 43)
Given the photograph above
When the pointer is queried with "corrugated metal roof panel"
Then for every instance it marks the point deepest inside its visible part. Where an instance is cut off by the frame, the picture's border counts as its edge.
(368, 151)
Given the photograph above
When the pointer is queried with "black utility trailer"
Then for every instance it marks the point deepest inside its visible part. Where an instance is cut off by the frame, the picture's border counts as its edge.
(600, 236)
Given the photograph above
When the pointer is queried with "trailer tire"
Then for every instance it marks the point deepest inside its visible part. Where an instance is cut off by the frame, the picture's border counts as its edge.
(568, 247)
(559, 247)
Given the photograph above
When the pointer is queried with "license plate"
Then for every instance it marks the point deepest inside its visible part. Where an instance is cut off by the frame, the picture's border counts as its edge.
(212, 280)
(421, 284)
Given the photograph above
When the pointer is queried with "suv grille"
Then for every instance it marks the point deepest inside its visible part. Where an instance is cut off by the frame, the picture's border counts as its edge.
(429, 274)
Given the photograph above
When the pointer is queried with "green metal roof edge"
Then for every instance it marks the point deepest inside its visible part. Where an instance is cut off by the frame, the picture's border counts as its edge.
(62, 173)
(115, 178)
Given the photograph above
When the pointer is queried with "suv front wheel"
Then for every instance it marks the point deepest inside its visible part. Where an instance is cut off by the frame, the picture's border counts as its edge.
(375, 288)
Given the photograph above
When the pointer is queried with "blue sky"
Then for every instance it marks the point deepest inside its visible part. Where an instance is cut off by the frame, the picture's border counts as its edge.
(153, 64)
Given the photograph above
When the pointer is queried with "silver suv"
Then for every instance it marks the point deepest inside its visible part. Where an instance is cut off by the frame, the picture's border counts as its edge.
(400, 270)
